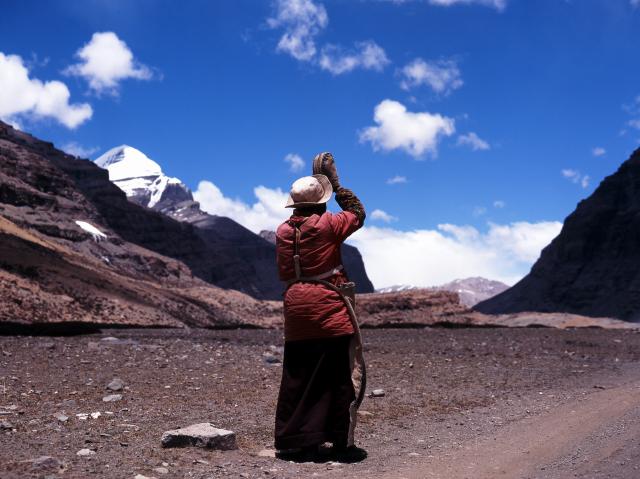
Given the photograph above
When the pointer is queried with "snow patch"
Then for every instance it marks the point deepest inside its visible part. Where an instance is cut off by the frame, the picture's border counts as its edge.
(95, 233)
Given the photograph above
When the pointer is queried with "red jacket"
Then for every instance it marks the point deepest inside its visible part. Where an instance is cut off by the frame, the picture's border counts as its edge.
(312, 310)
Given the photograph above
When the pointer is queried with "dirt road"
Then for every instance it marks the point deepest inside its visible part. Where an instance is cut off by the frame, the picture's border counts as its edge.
(459, 403)
(595, 435)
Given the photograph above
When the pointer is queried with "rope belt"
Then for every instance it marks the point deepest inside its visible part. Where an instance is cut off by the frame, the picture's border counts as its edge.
(324, 275)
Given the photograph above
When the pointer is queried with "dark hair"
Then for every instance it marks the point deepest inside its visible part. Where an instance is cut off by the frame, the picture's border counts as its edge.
(310, 210)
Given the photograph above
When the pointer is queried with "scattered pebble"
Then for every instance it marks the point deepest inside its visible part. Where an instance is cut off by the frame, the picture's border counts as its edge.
(377, 393)
(267, 453)
(85, 452)
(5, 425)
(161, 470)
(61, 417)
(112, 398)
(116, 384)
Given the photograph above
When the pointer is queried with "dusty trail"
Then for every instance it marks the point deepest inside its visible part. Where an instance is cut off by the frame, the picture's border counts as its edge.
(581, 438)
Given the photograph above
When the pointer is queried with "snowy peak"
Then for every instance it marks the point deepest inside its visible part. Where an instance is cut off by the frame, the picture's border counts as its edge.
(126, 162)
(142, 179)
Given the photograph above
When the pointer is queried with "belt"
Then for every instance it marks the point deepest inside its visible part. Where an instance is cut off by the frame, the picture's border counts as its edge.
(324, 275)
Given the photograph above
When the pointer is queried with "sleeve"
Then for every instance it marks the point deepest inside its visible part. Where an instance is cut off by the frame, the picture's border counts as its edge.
(351, 218)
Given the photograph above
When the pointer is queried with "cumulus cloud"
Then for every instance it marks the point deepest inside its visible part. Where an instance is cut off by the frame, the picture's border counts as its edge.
(105, 61)
(442, 76)
(599, 151)
(366, 55)
(499, 204)
(497, 4)
(267, 212)
(381, 215)
(414, 133)
(473, 141)
(25, 97)
(396, 180)
(576, 177)
(78, 150)
(302, 21)
(431, 257)
(295, 161)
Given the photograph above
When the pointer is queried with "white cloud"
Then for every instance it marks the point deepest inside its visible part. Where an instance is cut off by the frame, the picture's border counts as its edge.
(414, 133)
(635, 3)
(497, 4)
(366, 55)
(78, 150)
(584, 182)
(302, 21)
(396, 180)
(431, 257)
(499, 204)
(105, 62)
(473, 141)
(381, 215)
(576, 177)
(24, 97)
(266, 213)
(295, 161)
(599, 151)
(443, 76)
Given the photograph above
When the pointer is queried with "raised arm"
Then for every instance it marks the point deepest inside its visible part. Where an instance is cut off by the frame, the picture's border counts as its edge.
(324, 164)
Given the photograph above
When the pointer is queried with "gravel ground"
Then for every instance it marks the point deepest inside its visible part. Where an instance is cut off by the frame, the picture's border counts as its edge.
(445, 389)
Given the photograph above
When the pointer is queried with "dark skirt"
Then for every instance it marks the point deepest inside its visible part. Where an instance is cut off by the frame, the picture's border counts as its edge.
(315, 393)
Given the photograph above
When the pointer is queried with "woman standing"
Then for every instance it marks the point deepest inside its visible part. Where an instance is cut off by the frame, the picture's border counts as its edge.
(323, 371)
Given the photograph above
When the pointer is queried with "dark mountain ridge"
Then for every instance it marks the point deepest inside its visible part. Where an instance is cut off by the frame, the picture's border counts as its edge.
(592, 267)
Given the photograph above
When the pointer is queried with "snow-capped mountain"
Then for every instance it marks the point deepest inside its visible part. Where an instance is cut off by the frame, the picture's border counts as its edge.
(473, 290)
(470, 290)
(144, 183)
(397, 288)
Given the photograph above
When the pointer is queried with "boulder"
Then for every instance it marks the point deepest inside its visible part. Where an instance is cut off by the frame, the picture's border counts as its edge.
(204, 435)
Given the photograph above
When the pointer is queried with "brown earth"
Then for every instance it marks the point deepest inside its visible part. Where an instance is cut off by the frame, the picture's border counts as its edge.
(459, 403)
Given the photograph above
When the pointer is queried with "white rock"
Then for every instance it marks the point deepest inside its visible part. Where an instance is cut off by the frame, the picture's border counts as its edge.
(377, 393)
(204, 435)
(112, 398)
(85, 452)
(116, 384)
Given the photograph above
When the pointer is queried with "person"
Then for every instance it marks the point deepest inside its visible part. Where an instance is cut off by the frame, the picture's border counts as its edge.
(323, 370)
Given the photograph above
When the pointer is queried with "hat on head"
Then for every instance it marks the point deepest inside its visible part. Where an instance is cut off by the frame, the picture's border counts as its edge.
(309, 191)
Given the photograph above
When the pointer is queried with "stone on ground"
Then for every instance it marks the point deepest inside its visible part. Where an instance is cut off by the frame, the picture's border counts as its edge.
(204, 435)
(85, 452)
(112, 398)
(116, 384)
(377, 393)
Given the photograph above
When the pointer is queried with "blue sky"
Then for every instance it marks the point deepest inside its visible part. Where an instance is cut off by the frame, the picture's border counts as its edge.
(500, 114)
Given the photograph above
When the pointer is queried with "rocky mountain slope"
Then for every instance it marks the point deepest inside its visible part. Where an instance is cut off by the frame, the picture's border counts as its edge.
(351, 260)
(591, 267)
(144, 183)
(52, 270)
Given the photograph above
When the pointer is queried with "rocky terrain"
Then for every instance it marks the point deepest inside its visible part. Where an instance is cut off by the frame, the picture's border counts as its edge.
(591, 267)
(457, 403)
